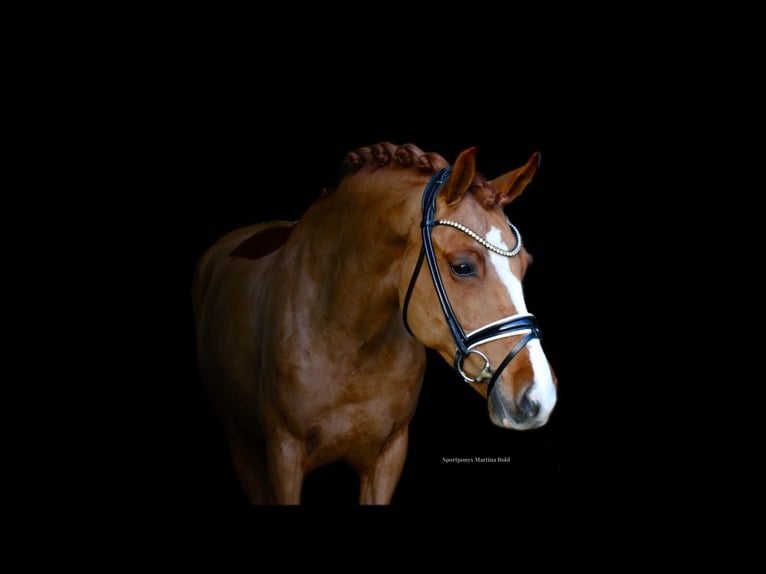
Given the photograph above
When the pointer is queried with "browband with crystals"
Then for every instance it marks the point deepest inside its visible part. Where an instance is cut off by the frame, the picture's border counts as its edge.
(484, 242)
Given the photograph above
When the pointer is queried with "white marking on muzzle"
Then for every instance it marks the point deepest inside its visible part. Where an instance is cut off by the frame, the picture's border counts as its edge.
(543, 389)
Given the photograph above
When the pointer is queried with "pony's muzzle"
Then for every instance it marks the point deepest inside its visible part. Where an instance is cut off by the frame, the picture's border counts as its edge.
(522, 412)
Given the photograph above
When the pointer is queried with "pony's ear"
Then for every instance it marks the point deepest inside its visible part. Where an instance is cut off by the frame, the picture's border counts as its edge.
(510, 185)
(461, 177)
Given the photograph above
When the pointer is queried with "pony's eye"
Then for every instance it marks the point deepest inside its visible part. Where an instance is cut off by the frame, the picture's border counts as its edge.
(463, 269)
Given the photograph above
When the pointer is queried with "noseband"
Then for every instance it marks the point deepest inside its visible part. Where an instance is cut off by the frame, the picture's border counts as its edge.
(522, 324)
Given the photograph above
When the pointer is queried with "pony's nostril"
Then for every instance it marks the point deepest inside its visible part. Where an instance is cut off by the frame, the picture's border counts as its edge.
(510, 412)
(529, 408)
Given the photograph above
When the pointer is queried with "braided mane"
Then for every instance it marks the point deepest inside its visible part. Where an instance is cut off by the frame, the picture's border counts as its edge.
(386, 157)
(390, 157)
(386, 154)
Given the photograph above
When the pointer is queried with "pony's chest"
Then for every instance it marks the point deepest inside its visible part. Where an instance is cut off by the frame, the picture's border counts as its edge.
(329, 410)
(354, 432)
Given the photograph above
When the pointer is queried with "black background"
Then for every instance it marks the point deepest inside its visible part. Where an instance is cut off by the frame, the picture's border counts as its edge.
(200, 118)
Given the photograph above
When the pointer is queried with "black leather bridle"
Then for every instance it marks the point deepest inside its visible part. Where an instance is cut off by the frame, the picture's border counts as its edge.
(522, 324)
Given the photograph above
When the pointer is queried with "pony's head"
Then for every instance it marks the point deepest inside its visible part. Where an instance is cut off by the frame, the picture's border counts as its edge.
(464, 298)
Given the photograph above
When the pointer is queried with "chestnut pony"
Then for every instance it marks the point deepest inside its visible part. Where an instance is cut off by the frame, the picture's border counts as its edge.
(311, 334)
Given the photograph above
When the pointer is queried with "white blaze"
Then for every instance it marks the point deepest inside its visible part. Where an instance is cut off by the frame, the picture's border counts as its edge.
(502, 265)
(543, 390)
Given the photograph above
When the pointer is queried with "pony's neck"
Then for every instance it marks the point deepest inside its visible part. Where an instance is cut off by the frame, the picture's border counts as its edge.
(354, 238)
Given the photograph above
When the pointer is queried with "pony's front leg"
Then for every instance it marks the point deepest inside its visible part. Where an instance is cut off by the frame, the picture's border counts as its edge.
(285, 467)
(377, 483)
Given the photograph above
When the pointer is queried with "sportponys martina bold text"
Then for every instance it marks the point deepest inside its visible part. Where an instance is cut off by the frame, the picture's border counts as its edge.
(473, 459)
